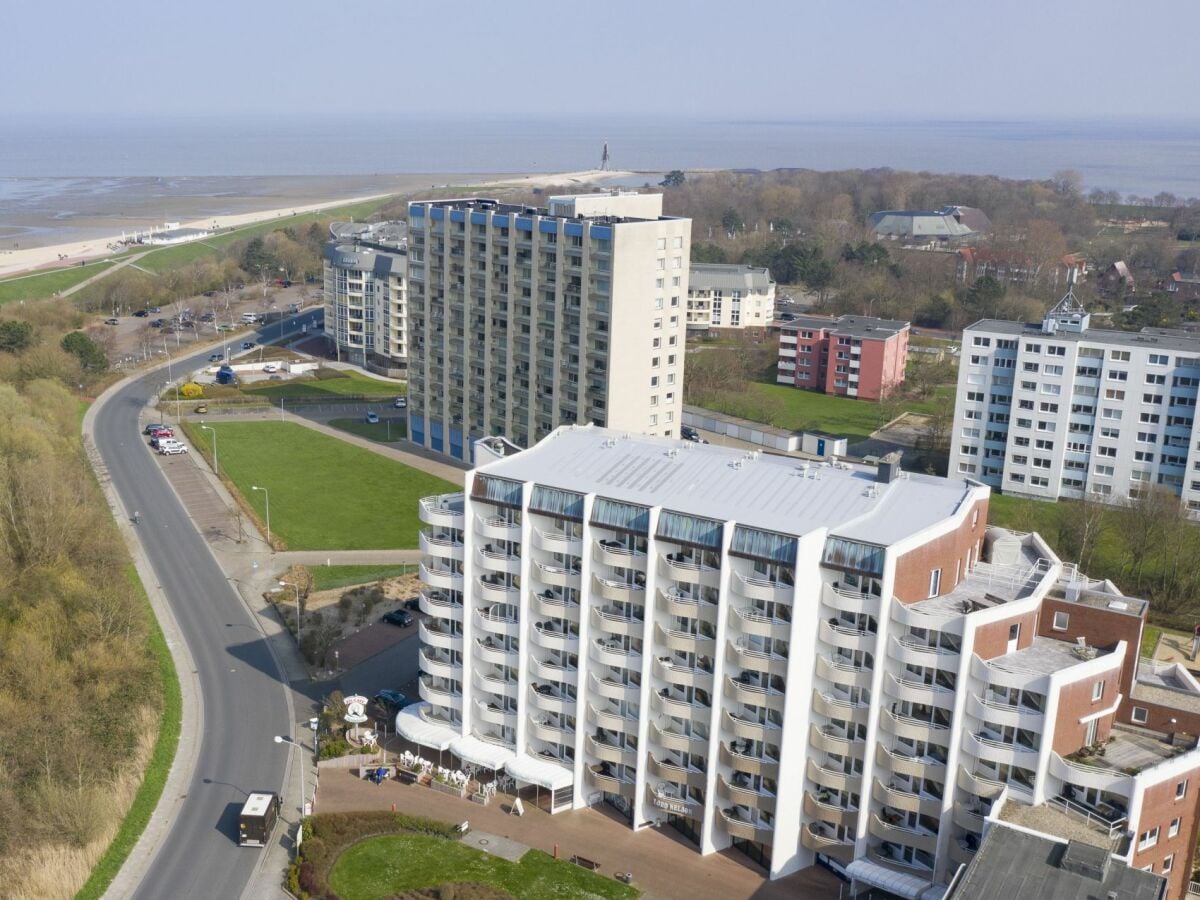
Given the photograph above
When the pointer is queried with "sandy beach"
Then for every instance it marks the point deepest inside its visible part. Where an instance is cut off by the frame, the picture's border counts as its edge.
(28, 259)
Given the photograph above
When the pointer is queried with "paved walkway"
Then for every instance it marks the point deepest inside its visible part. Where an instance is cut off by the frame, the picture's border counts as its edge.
(664, 864)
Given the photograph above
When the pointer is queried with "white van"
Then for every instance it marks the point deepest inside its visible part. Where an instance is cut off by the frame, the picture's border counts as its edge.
(250, 318)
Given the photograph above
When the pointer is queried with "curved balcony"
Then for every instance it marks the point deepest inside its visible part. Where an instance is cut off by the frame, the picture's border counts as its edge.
(501, 687)
(436, 634)
(495, 653)
(899, 798)
(615, 690)
(618, 591)
(738, 827)
(1000, 752)
(830, 705)
(920, 692)
(552, 701)
(899, 834)
(553, 638)
(685, 641)
(611, 784)
(750, 657)
(557, 542)
(498, 592)
(1090, 776)
(497, 624)
(828, 812)
(834, 779)
(614, 621)
(437, 577)
(611, 720)
(558, 576)
(967, 818)
(755, 587)
(439, 668)
(554, 607)
(1005, 713)
(613, 753)
(850, 601)
(549, 671)
(611, 653)
(980, 785)
(754, 731)
(680, 706)
(916, 654)
(753, 694)
(676, 740)
(677, 774)
(684, 570)
(752, 765)
(684, 676)
(433, 542)
(829, 739)
(959, 854)
(444, 511)
(498, 528)
(495, 715)
(676, 603)
(437, 715)
(745, 795)
(824, 841)
(915, 729)
(496, 561)
(551, 733)
(752, 620)
(438, 696)
(832, 669)
(614, 554)
(919, 766)
(848, 638)
(661, 797)
(439, 606)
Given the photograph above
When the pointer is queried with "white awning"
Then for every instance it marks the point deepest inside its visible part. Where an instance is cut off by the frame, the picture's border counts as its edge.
(412, 727)
(478, 752)
(542, 772)
(901, 883)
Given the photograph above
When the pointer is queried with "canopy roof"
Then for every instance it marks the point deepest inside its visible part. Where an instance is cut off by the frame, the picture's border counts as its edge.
(481, 753)
(899, 883)
(542, 772)
(411, 726)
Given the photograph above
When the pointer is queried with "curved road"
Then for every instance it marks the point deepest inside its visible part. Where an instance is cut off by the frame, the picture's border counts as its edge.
(243, 697)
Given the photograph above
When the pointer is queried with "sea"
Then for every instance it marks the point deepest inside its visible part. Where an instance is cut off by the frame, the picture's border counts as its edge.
(50, 166)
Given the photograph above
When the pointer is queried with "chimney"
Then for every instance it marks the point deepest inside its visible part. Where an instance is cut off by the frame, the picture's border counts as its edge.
(889, 468)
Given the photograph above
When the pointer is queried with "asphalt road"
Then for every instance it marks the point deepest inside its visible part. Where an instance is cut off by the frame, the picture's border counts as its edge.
(242, 695)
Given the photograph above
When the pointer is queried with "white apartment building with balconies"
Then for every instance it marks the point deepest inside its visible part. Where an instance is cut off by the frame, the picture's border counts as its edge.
(800, 661)
(729, 296)
(1067, 410)
(523, 319)
(364, 291)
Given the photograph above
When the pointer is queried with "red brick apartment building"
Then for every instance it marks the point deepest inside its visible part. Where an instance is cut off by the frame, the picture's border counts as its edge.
(851, 356)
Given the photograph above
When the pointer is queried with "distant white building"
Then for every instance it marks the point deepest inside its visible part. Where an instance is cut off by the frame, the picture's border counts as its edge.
(365, 292)
(170, 233)
(729, 296)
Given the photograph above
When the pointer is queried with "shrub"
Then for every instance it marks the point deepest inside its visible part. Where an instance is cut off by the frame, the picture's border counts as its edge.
(324, 374)
(191, 391)
(334, 748)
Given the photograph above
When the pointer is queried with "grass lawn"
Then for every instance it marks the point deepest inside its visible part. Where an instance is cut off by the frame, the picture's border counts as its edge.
(329, 388)
(325, 494)
(326, 578)
(45, 284)
(379, 432)
(383, 866)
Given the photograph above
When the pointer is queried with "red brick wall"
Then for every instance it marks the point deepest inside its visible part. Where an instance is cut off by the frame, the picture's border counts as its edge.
(1158, 718)
(913, 568)
(1159, 807)
(1075, 702)
(1103, 628)
(992, 640)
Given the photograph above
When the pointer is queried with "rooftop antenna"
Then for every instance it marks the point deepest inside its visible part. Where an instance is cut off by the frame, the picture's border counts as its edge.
(604, 158)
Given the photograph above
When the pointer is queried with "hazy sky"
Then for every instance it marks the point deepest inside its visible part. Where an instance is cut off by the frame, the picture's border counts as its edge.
(777, 59)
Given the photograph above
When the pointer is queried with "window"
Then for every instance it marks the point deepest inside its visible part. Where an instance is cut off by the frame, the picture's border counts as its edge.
(1097, 691)
(1181, 789)
(1140, 716)
(1168, 862)
(1033, 348)
(1175, 823)
(1148, 839)
(1156, 379)
(1060, 621)
(1052, 350)
(1051, 370)
(1113, 394)
(1159, 359)
(935, 582)
(1118, 375)
(1104, 471)
(1119, 355)
(981, 341)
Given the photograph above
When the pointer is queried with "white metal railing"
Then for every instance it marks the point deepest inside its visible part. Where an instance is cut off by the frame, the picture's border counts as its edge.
(1071, 808)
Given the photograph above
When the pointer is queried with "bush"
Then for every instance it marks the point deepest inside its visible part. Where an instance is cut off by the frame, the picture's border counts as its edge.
(191, 391)
(334, 748)
(324, 374)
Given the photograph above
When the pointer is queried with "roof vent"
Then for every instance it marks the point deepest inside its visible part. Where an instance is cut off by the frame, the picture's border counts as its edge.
(889, 468)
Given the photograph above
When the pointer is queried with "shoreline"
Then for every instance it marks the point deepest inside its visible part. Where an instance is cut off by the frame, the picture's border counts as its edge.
(37, 260)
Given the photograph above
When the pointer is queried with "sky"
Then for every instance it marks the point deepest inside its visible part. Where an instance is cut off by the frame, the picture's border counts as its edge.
(763, 59)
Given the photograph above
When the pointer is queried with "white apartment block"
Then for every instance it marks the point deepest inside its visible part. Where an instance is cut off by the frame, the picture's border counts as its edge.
(795, 660)
(729, 296)
(523, 319)
(365, 298)
(1067, 410)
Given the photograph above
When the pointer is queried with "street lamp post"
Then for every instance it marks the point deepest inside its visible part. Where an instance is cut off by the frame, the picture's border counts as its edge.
(267, 496)
(216, 463)
(283, 739)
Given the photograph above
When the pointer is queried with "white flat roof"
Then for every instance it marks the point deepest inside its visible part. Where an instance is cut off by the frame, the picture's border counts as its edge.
(774, 493)
(412, 727)
(542, 772)
(480, 752)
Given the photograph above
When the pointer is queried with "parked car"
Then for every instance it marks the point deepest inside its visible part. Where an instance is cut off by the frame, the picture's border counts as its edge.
(688, 433)
(201, 409)
(157, 323)
(293, 308)
(112, 321)
(156, 309)
(248, 345)
(216, 357)
(398, 617)
(207, 317)
(392, 701)
(163, 431)
(169, 447)
(270, 367)
(142, 313)
(412, 603)
(372, 418)
(401, 403)
(153, 427)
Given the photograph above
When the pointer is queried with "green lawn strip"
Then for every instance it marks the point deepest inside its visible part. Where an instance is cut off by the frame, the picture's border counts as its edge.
(326, 578)
(795, 409)
(378, 432)
(46, 284)
(1150, 635)
(161, 758)
(332, 388)
(325, 494)
(382, 866)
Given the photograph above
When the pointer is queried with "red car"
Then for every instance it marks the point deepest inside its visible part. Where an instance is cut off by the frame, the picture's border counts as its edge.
(162, 432)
